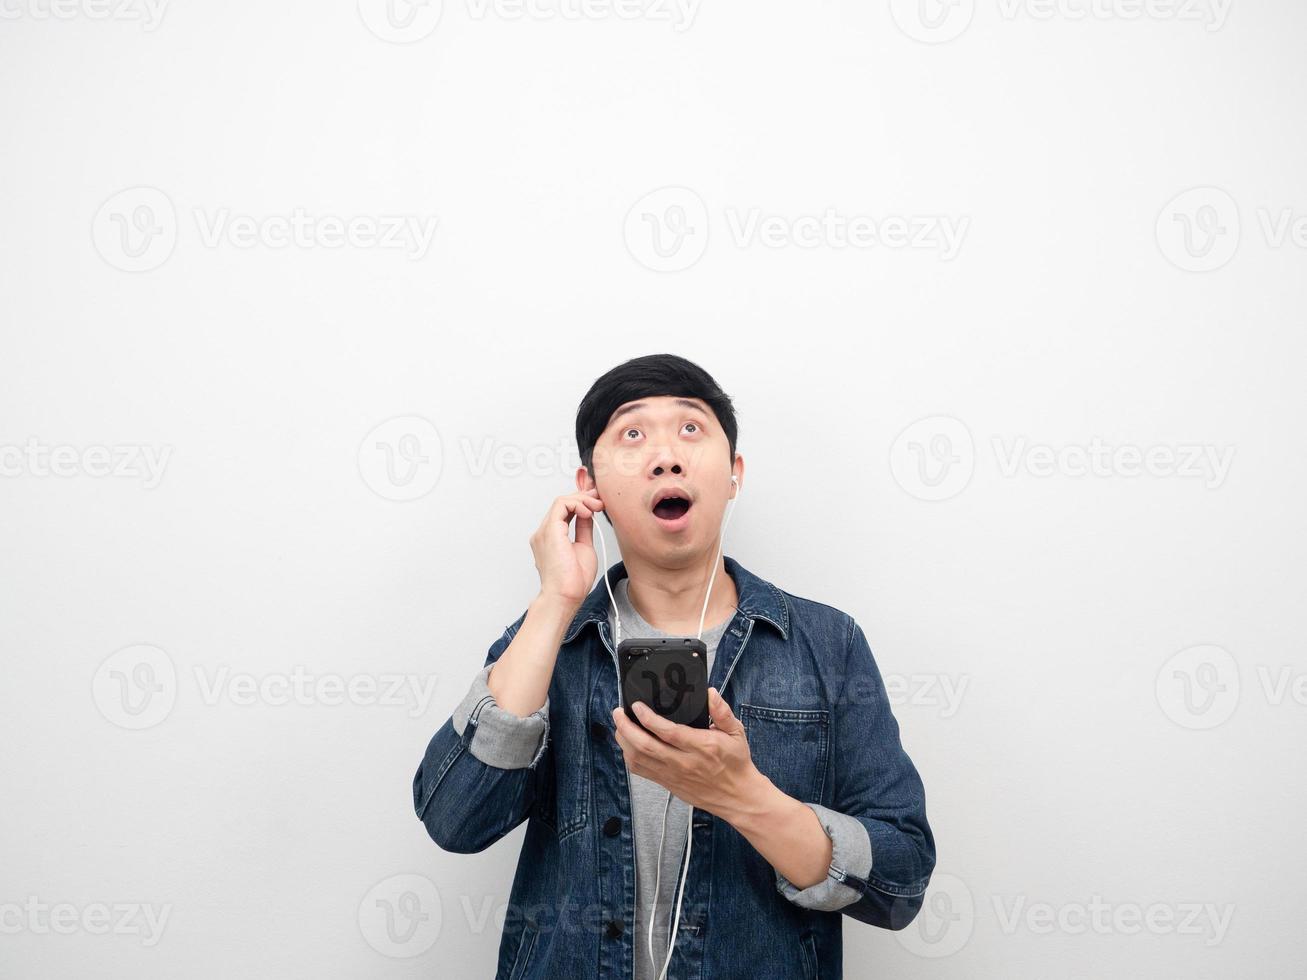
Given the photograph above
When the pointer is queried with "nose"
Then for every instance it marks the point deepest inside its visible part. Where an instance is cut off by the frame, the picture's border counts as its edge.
(665, 462)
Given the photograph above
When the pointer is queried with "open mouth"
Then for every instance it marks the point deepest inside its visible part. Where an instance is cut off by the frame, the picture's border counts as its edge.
(671, 508)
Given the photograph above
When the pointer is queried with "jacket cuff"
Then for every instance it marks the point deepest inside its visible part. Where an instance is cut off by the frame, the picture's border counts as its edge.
(850, 855)
(500, 738)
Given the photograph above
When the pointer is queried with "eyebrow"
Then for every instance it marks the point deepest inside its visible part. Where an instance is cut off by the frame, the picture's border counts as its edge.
(636, 406)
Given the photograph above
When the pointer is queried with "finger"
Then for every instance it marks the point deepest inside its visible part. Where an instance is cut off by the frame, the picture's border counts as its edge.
(639, 740)
(558, 516)
(585, 527)
(674, 735)
(723, 718)
(590, 498)
(570, 503)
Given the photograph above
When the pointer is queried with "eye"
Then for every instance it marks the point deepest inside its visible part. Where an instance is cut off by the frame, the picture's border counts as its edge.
(695, 428)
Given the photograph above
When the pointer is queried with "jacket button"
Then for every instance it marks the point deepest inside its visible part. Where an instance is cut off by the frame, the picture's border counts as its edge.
(612, 826)
(597, 730)
(613, 928)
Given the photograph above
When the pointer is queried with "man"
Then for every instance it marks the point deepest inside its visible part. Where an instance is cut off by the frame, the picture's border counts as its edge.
(805, 806)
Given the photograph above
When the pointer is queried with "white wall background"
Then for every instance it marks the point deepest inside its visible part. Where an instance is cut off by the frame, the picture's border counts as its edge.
(1124, 647)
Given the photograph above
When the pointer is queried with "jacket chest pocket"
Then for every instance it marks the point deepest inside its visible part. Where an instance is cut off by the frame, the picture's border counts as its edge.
(790, 746)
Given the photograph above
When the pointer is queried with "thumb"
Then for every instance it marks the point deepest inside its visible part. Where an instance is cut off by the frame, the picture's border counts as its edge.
(723, 718)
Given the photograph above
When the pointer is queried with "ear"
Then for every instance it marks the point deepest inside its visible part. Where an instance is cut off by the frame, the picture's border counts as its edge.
(583, 479)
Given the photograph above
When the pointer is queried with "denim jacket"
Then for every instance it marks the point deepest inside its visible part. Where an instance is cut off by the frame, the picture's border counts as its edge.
(801, 678)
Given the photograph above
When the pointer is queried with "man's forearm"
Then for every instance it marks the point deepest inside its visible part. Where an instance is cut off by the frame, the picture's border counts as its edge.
(784, 831)
(520, 677)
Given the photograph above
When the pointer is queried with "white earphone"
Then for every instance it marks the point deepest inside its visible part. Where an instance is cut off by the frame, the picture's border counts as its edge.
(689, 822)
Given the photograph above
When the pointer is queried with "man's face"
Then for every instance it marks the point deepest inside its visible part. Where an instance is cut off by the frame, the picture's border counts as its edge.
(658, 446)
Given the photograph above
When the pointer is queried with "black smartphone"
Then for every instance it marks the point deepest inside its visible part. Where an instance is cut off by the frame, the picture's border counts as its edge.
(669, 674)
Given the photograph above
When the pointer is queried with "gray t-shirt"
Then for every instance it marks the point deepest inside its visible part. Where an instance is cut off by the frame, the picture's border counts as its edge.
(648, 799)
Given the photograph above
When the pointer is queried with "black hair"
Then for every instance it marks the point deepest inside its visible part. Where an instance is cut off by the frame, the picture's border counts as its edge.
(647, 377)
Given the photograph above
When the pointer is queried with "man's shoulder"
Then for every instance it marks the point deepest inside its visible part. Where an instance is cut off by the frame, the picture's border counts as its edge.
(814, 614)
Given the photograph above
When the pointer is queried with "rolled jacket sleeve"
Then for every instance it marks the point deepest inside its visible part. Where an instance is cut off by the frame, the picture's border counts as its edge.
(501, 739)
(850, 854)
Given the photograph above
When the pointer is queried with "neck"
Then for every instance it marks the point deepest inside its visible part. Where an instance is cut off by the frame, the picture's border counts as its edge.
(671, 599)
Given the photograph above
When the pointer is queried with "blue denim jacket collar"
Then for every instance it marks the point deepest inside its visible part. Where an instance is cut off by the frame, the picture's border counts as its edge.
(758, 599)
